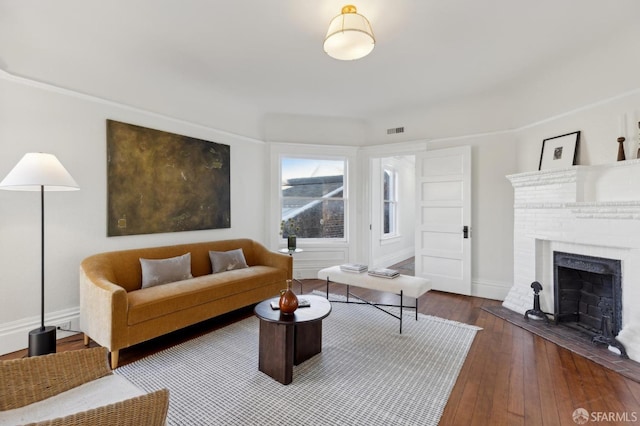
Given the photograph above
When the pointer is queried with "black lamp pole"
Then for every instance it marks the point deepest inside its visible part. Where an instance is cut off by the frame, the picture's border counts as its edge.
(42, 341)
(41, 257)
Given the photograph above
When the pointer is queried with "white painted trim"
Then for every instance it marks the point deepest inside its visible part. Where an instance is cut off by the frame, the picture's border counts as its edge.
(92, 98)
(516, 129)
(490, 289)
(302, 149)
(581, 109)
(278, 150)
(469, 136)
(390, 150)
(307, 273)
(14, 334)
(393, 258)
(544, 120)
(390, 239)
(371, 150)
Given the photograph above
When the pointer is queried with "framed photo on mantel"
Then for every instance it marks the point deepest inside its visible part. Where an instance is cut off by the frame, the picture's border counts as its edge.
(559, 151)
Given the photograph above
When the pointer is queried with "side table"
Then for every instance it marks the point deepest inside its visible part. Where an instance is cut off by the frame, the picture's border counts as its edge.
(290, 252)
(288, 340)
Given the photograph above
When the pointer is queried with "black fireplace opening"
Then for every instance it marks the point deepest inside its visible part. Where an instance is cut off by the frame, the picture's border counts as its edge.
(588, 293)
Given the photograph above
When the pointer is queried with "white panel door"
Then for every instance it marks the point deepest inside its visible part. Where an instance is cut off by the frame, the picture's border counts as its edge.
(443, 218)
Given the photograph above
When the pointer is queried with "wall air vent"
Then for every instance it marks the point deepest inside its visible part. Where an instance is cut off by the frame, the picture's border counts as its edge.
(395, 130)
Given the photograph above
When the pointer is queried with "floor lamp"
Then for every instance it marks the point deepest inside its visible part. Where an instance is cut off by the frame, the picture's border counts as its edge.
(40, 172)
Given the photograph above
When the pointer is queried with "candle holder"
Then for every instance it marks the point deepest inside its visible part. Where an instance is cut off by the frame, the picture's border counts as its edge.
(638, 153)
(621, 156)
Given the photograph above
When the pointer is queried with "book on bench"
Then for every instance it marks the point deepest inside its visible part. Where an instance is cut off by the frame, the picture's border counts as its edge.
(384, 273)
(353, 267)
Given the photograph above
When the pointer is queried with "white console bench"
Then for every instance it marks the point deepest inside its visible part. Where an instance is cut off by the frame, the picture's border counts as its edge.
(403, 285)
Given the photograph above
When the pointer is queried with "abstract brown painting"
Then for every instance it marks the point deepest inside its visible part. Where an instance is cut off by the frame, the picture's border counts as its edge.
(164, 182)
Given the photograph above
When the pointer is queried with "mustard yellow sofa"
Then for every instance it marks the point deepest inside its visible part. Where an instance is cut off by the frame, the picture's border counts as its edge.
(116, 312)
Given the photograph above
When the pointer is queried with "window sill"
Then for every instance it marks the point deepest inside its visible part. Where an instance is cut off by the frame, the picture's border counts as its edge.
(317, 242)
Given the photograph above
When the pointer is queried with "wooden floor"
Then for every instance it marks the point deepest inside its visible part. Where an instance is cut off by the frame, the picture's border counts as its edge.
(510, 377)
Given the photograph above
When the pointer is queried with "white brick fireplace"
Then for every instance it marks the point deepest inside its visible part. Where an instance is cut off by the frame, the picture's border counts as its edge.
(586, 210)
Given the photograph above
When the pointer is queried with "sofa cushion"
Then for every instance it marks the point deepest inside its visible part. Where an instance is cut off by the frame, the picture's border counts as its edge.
(227, 260)
(96, 393)
(162, 271)
(154, 302)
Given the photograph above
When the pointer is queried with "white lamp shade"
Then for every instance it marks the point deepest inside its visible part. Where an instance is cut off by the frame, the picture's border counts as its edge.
(349, 36)
(38, 170)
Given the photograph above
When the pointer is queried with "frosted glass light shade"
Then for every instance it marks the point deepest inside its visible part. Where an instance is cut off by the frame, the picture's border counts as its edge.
(349, 36)
(38, 170)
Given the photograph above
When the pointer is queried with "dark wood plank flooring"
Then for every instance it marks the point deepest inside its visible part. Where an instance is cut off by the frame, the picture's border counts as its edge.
(510, 377)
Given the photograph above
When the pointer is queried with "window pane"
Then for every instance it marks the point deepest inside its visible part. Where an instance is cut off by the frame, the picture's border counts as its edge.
(317, 219)
(387, 224)
(392, 218)
(313, 203)
(386, 186)
(311, 178)
(389, 201)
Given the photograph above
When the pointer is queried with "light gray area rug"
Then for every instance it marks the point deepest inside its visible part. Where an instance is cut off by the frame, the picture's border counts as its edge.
(367, 373)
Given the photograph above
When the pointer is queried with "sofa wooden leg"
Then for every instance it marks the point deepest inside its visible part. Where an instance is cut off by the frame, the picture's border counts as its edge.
(114, 359)
(86, 339)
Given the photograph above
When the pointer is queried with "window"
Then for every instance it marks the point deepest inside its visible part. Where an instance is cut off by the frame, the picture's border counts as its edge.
(389, 201)
(312, 197)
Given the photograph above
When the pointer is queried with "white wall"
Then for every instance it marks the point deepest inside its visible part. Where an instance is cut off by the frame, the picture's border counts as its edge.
(36, 117)
(562, 84)
(492, 158)
(578, 79)
(302, 129)
(600, 124)
(479, 114)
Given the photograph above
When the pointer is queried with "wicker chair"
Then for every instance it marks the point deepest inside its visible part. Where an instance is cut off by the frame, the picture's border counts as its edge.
(28, 380)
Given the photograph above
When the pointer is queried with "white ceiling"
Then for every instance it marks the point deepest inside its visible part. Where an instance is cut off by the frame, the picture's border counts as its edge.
(189, 58)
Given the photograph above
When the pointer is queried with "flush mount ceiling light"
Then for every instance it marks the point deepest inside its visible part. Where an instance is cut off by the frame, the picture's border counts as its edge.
(349, 36)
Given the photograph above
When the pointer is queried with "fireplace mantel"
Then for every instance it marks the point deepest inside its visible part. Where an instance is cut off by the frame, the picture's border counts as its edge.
(587, 210)
(608, 191)
(617, 182)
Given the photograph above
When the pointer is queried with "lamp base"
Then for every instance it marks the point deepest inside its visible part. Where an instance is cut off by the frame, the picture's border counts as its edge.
(42, 341)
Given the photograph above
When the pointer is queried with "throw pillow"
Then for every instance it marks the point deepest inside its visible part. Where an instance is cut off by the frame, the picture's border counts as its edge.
(227, 260)
(162, 271)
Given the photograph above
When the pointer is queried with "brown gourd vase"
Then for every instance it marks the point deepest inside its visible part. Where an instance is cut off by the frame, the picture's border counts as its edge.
(288, 300)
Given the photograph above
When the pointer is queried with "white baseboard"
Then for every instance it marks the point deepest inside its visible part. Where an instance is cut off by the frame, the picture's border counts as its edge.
(490, 289)
(393, 258)
(308, 273)
(14, 335)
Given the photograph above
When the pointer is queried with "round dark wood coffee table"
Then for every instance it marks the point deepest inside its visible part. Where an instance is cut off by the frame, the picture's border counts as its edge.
(288, 340)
